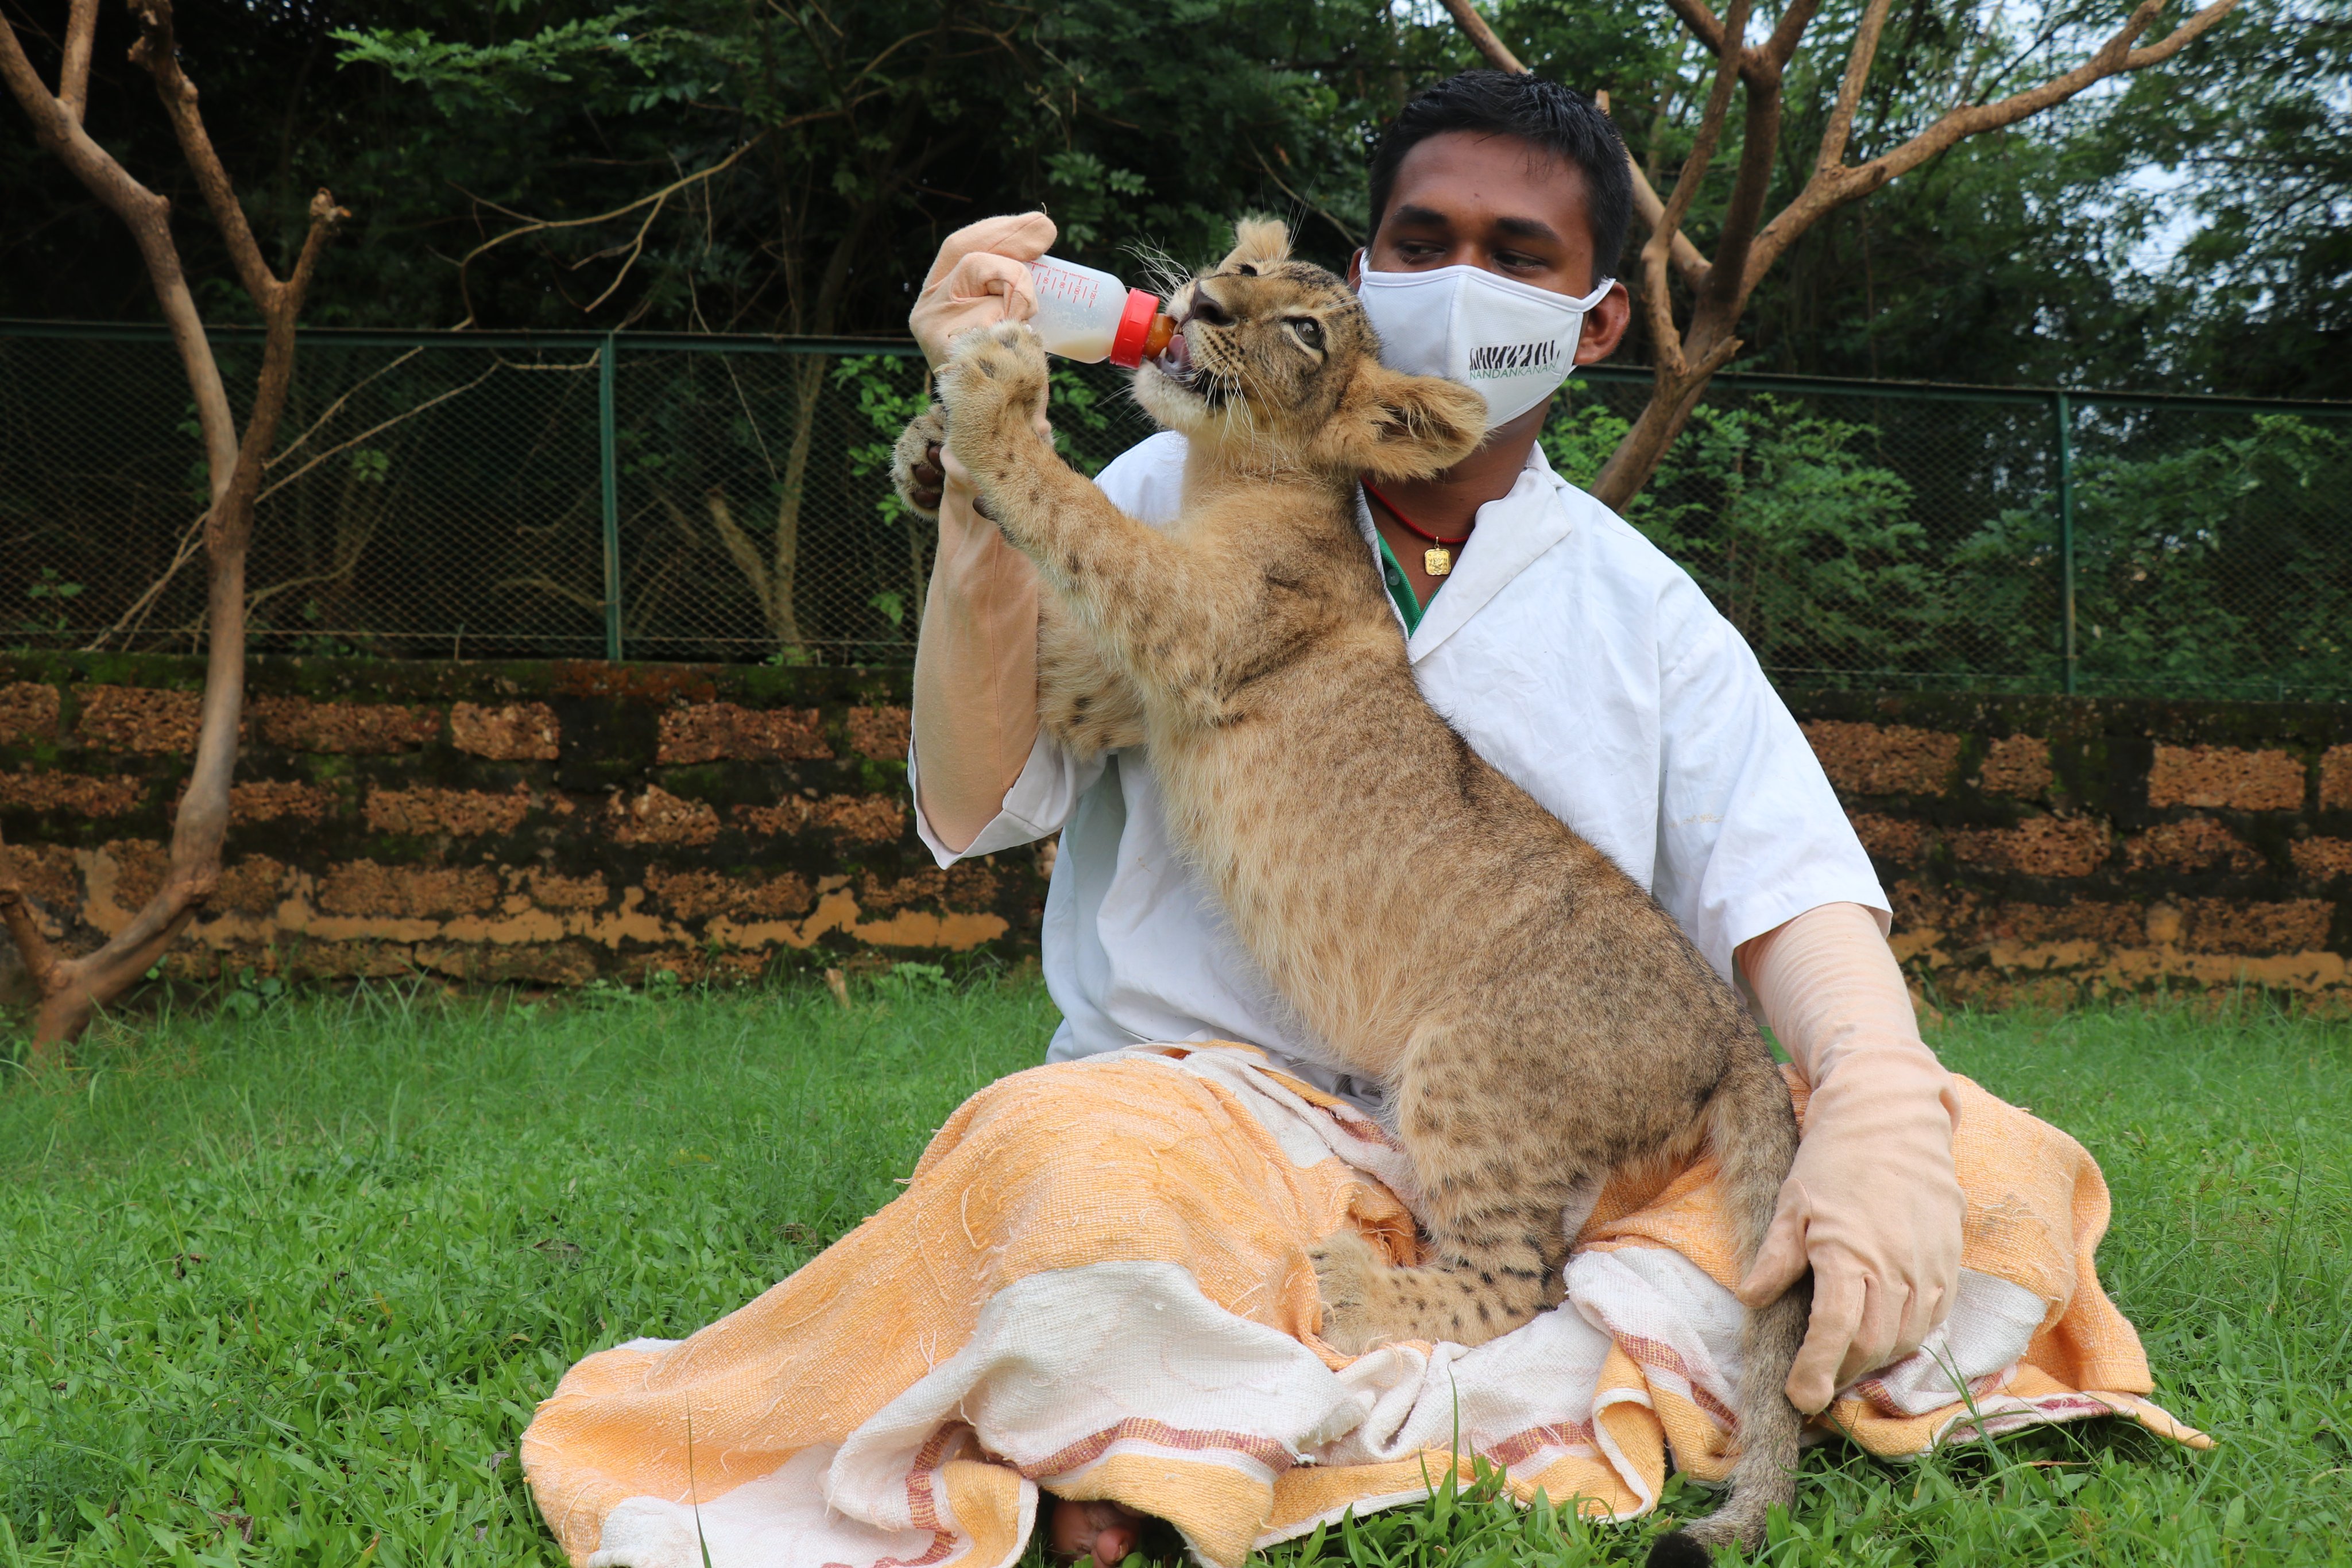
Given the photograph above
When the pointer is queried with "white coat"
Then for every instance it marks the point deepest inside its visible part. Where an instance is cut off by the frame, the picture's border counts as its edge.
(1573, 656)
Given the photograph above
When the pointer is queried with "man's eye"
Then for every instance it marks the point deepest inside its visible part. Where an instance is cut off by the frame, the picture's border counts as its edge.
(1310, 330)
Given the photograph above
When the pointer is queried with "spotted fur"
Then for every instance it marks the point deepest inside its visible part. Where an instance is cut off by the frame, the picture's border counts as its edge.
(1538, 1021)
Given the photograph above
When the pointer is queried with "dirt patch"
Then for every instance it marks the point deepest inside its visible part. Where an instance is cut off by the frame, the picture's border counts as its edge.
(74, 793)
(881, 733)
(861, 819)
(45, 873)
(2226, 925)
(658, 817)
(344, 728)
(2323, 859)
(28, 711)
(251, 886)
(2211, 776)
(2016, 765)
(2042, 846)
(546, 963)
(726, 732)
(462, 813)
(2198, 844)
(1884, 758)
(551, 890)
(1890, 838)
(697, 894)
(412, 892)
(2335, 779)
(267, 801)
(519, 732)
(133, 718)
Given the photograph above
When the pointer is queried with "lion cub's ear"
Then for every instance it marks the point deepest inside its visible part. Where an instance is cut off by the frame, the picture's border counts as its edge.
(1400, 426)
(1258, 243)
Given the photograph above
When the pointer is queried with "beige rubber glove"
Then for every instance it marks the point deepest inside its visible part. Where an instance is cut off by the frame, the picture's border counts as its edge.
(975, 669)
(980, 278)
(1873, 1203)
(976, 662)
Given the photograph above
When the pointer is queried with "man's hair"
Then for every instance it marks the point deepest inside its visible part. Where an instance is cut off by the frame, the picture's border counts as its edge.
(1549, 116)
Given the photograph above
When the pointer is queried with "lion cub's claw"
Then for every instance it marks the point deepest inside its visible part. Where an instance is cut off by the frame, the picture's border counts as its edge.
(995, 375)
(1345, 1267)
(920, 490)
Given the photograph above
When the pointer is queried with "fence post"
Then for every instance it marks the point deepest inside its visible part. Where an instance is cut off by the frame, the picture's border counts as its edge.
(2066, 532)
(609, 463)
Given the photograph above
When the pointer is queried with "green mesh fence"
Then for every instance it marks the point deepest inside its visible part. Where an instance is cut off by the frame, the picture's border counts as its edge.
(698, 499)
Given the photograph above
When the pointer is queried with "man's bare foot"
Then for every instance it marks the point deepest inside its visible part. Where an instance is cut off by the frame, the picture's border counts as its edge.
(1103, 1532)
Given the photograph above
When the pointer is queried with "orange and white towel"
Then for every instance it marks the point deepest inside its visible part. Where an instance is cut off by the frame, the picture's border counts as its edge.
(1098, 1283)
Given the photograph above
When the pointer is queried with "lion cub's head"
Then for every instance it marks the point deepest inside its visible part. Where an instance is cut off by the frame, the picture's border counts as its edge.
(1274, 364)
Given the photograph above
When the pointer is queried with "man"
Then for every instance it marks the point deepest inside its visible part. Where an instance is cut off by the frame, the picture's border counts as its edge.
(1566, 648)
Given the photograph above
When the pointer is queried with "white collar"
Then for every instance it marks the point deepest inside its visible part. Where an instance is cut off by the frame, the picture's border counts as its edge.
(1508, 535)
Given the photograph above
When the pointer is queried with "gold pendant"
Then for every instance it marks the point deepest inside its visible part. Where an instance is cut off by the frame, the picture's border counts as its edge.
(1437, 560)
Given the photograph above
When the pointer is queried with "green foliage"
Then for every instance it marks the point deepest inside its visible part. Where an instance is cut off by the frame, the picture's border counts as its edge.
(1803, 543)
(286, 1287)
(2216, 565)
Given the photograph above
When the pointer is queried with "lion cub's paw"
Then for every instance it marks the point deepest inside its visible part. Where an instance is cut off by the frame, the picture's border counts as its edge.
(1348, 1270)
(996, 377)
(914, 468)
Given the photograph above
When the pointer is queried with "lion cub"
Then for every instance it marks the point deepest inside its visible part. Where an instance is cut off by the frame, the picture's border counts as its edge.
(1537, 1021)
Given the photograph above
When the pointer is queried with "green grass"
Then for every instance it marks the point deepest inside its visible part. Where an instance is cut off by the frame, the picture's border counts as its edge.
(300, 1276)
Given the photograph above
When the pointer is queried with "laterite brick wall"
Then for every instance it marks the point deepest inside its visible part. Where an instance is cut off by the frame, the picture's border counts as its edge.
(2043, 849)
(546, 824)
(540, 823)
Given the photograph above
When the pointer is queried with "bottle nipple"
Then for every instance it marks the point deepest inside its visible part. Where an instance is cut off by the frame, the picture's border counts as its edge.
(1144, 328)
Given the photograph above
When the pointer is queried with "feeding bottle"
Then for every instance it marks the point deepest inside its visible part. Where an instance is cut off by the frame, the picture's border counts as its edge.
(1090, 316)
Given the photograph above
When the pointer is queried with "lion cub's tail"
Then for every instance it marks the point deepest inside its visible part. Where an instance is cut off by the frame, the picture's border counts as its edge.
(1753, 1132)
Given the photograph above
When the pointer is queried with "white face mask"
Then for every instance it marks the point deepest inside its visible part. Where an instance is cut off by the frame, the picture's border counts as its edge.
(1510, 341)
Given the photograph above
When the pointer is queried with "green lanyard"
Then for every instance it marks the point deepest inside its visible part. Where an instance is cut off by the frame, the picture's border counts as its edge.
(1400, 587)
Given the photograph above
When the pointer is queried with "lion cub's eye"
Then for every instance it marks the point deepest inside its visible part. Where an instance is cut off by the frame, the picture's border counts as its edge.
(1308, 329)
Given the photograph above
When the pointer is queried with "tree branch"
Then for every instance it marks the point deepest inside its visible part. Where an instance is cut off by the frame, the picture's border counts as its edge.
(157, 51)
(1482, 36)
(148, 217)
(1840, 128)
(1701, 20)
(1689, 264)
(73, 80)
(72, 990)
(1759, 146)
(653, 199)
(1832, 188)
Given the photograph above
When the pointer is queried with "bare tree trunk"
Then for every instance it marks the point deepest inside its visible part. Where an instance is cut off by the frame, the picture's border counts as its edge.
(71, 989)
(808, 378)
(1746, 247)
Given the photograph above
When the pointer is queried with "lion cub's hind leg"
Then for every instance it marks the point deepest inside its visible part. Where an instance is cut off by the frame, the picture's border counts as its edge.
(1083, 700)
(1498, 1266)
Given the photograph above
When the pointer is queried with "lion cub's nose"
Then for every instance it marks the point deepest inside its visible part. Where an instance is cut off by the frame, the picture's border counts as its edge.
(1204, 308)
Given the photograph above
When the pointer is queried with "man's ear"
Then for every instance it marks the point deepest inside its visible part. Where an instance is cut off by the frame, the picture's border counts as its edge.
(1400, 426)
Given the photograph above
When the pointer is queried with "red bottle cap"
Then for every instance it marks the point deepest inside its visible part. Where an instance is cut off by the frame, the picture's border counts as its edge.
(1134, 327)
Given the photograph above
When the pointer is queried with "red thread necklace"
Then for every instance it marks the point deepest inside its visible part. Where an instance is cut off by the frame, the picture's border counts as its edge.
(1436, 561)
